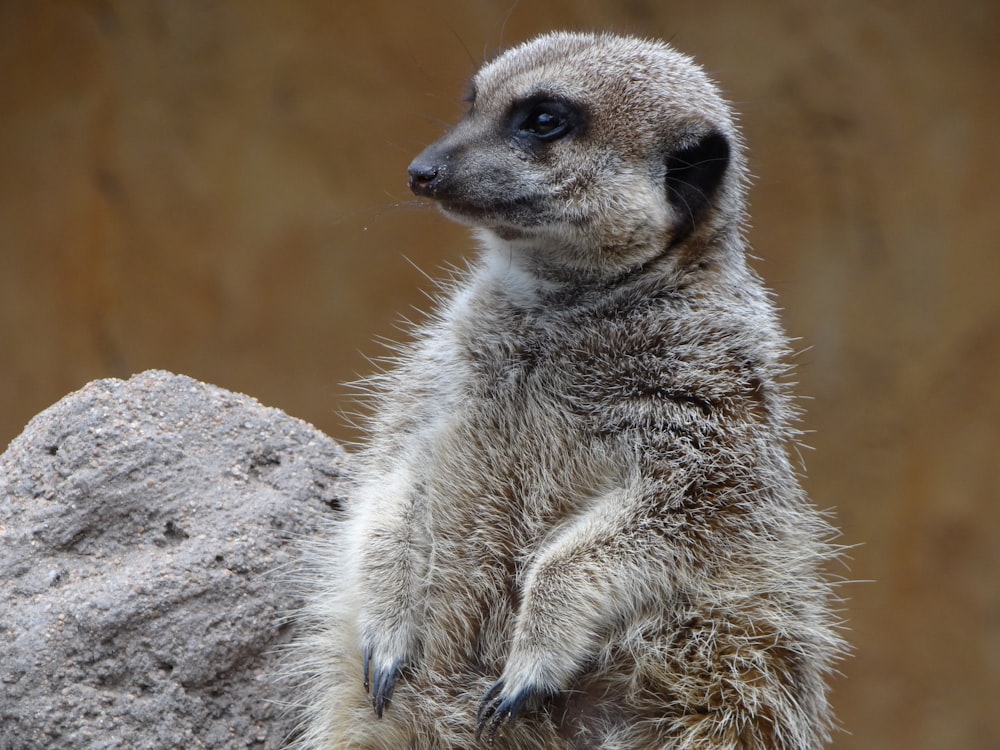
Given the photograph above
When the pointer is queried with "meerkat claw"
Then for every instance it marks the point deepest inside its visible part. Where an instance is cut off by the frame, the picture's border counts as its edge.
(379, 682)
(495, 710)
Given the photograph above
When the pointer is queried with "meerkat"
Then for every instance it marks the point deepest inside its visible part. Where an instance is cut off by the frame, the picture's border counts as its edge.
(575, 523)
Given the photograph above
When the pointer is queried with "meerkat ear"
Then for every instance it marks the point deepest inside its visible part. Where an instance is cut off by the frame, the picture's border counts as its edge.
(694, 174)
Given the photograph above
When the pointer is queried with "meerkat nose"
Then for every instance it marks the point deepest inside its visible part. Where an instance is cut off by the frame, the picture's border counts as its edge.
(424, 178)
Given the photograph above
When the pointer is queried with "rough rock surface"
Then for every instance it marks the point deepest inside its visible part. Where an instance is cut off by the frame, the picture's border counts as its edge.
(147, 533)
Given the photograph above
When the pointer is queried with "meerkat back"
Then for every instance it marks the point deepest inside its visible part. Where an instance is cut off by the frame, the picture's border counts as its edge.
(575, 523)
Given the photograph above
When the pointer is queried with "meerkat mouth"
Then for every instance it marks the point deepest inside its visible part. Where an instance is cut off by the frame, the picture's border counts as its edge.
(522, 212)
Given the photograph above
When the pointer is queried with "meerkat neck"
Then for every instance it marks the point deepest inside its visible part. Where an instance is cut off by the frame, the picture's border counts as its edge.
(526, 279)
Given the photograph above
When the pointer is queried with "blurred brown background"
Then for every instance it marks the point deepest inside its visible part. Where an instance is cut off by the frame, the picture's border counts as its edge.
(217, 188)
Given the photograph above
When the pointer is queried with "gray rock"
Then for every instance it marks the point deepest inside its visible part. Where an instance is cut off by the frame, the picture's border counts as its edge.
(147, 535)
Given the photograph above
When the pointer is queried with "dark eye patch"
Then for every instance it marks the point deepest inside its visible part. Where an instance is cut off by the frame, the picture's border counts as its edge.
(542, 120)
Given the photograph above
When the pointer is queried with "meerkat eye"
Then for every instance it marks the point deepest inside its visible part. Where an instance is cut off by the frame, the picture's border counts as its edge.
(547, 121)
(544, 124)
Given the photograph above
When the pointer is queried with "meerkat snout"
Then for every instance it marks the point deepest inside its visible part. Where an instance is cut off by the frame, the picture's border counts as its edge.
(527, 126)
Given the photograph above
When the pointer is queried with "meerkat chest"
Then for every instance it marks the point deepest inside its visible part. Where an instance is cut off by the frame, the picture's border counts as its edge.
(509, 435)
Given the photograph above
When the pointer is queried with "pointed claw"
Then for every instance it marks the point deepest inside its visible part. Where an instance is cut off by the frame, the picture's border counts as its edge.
(379, 683)
(487, 707)
(384, 683)
(495, 710)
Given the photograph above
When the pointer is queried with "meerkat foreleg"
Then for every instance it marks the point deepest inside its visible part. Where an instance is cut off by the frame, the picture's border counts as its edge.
(565, 611)
(389, 567)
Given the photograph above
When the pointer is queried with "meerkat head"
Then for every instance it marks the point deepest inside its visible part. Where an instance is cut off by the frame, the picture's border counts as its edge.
(591, 156)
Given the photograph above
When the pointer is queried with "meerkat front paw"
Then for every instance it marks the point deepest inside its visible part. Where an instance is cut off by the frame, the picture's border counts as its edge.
(502, 706)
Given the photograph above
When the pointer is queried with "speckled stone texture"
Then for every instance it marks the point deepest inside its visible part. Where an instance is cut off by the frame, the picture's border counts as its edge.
(147, 562)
